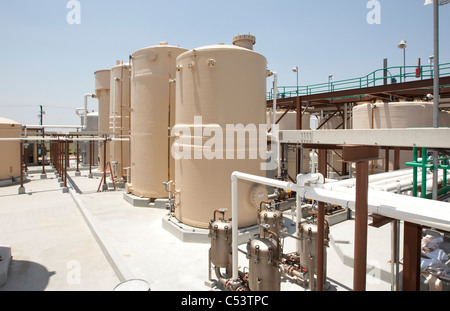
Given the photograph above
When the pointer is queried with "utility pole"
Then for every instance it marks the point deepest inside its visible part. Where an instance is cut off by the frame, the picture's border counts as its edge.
(41, 122)
(41, 115)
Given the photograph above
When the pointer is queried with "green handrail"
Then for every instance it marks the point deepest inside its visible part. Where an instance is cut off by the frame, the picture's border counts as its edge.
(374, 78)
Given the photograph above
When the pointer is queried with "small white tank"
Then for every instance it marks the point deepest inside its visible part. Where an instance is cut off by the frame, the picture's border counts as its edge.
(10, 150)
(102, 91)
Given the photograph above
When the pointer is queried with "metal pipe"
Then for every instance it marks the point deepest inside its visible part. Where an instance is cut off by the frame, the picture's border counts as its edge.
(66, 162)
(21, 165)
(78, 157)
(91, 157)
(104, 162)
(26, 156)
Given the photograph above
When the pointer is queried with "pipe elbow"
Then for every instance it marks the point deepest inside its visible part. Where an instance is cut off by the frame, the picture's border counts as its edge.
(304, 178)
(234, 176)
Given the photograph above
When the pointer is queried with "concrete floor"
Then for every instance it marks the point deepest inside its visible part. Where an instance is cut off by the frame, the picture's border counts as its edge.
(93, 241)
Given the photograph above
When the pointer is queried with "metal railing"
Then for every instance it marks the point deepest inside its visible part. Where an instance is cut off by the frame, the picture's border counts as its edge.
(376, 78)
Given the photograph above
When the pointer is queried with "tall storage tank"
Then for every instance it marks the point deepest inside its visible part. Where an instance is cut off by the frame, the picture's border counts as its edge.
(102, 91)
(223, 84)
(10, 150)
(392, 115)
(152, 115)
(119, 120)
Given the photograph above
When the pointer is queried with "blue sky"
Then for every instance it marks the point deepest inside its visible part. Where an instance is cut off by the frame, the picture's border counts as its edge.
(46, 61)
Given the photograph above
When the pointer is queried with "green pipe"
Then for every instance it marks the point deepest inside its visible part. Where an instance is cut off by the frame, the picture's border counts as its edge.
(444, 181)
(419, 164)
(423, 192)
(414, 173)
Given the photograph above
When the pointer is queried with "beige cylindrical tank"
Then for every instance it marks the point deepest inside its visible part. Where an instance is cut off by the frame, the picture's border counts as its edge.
(10, 150)
(102, 92)
(119, 120)
(444, 119)
(152, 115)
(289, 122)
(224, 85)
(392, 115)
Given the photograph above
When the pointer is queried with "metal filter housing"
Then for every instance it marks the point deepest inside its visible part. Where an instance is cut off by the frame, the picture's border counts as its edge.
(273, 218)
(308, 245)
(264, 257)
(220, 232)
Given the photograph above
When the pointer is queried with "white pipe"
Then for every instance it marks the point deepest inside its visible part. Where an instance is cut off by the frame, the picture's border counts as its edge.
(38, 127)
(420, 211)
(351, 182)
(274, 120)
(86, 96)
(407, 183)
(301, 180)
(62, 139)
(275, 95)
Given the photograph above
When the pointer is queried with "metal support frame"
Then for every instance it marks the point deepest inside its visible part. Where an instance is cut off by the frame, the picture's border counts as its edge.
(361, 155)
(361, 223)
(411, 256)
(320, 226)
